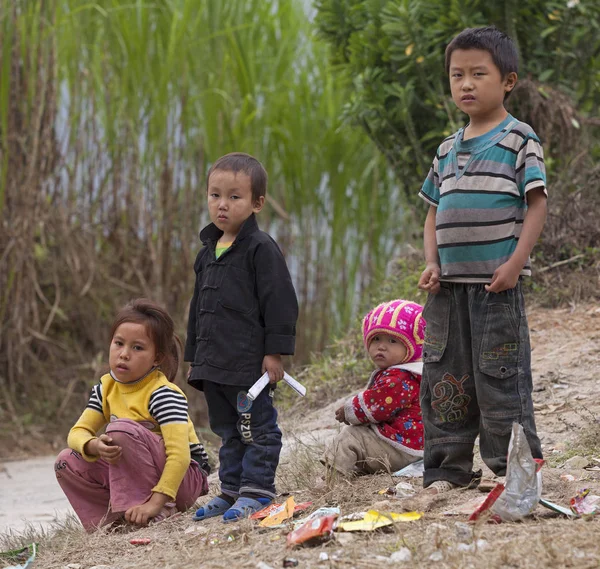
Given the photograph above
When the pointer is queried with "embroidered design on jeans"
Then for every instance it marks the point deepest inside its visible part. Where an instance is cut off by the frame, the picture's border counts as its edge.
(243, 403)
(501, 352)
(433, 342)
(451, 401)
(245, 427)
(245, 423)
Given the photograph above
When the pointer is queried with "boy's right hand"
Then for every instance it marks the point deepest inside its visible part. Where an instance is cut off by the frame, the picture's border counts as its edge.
(107, 450)
(430, 278)
(273, 365)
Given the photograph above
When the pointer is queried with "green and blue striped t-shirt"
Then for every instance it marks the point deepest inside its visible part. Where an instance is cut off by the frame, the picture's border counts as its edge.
(479, 188)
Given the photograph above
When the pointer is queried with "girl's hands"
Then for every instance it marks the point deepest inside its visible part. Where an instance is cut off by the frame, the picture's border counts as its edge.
(109, 451)
(142, 513)
(104, 448)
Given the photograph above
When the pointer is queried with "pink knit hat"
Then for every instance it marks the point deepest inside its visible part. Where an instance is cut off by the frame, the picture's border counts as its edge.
(400, 318)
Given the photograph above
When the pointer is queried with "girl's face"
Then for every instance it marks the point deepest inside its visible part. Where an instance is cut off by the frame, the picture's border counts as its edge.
(132, 352)
(386, 350)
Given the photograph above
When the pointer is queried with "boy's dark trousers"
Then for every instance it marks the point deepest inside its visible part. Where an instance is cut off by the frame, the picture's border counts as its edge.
(476, 380)
(250, 438)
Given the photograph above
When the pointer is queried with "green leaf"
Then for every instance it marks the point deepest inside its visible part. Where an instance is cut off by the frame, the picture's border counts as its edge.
(548, 31)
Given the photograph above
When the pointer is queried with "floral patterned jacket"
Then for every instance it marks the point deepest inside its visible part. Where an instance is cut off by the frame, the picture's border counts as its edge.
(390, 406)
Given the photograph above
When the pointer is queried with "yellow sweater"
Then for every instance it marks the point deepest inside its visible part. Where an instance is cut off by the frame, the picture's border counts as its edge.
(154, 401)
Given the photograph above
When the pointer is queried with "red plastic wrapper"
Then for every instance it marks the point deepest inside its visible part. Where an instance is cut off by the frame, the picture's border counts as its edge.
(487, 504)
(265, 512)
(585, 504)
(140, 541)
(313, 531)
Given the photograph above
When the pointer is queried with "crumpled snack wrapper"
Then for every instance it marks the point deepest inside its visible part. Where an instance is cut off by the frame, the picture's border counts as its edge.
(313, 531)
(373, 520)
(279, 513)
(585, 504)
(523, 487)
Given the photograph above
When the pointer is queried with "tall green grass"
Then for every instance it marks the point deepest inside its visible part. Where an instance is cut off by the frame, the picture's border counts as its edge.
(144, 96)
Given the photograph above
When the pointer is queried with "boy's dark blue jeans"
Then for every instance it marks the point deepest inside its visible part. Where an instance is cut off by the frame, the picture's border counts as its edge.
(250, 438)
(476, 380)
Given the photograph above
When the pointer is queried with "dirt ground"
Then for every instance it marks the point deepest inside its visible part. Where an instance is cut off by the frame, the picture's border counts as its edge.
(566, 365)
(30, 495)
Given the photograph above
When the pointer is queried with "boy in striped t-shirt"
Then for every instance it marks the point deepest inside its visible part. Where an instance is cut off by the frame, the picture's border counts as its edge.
(486, 192)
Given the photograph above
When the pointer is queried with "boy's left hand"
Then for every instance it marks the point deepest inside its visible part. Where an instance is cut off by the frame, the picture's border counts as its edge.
(274, 366)
(505, 277)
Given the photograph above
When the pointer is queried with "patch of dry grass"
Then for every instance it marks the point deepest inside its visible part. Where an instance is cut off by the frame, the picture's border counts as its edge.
(587, 440)
(543, 540)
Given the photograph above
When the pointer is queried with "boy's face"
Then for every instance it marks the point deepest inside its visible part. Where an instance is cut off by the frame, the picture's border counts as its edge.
(230, 201)
(477, 86)
(386, 350)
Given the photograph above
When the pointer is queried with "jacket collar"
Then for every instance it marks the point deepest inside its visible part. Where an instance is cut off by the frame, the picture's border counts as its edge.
(211, 233)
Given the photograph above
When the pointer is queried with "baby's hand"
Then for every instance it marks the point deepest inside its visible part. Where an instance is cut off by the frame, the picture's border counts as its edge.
(340, 415)
(107, 450)
(430, 279)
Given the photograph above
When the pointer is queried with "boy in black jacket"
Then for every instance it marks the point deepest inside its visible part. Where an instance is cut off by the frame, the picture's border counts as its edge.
(242, 320)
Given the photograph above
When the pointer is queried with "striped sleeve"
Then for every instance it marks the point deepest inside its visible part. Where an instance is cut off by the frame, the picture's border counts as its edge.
(89, 424)
(168, 406)
(430, 191)
(530, 169)
(95, 401)
(200, 455)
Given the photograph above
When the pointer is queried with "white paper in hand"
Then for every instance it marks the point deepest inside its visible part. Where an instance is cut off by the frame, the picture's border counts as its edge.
(263, 381)
(294, 384)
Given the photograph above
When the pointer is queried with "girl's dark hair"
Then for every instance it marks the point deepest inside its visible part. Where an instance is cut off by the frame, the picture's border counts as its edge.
(160, 328)
(491, 39)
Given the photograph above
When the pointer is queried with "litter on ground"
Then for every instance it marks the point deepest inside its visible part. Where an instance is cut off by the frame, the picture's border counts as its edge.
(373, 520)
(313, 531)
(413, 470)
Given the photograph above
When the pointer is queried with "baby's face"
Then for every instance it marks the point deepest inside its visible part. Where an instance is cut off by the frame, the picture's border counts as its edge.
(386, 350)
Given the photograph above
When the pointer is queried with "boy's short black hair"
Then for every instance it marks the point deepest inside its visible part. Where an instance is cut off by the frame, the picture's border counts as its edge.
(491, 39)
(242, 162)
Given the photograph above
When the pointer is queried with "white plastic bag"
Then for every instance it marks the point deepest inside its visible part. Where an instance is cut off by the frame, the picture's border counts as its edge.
(523, 487)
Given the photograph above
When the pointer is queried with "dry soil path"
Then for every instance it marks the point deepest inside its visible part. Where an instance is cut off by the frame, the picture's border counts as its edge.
(566, 365)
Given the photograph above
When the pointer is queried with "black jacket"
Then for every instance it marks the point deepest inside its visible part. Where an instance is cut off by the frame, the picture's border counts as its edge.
(244, 307)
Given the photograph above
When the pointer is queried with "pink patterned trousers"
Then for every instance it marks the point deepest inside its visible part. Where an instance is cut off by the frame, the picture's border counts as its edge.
(100, 492)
